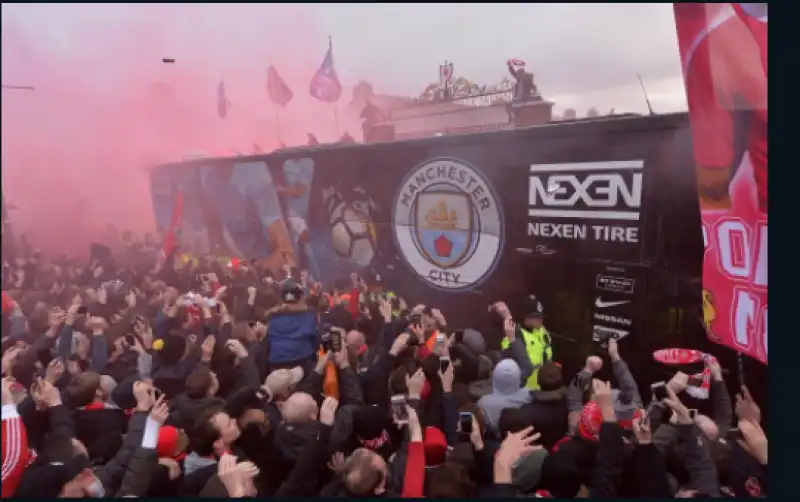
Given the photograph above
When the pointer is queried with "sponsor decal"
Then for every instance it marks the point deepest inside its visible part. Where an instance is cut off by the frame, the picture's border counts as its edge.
(611, 191)
(448, 224)
(615, 284)
(602, 304)
(599, 332)
(621, 321)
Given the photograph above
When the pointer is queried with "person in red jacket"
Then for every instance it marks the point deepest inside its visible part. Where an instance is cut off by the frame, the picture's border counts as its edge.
(15, 443)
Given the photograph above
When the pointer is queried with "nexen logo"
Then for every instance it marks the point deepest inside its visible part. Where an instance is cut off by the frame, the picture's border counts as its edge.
(553, 194)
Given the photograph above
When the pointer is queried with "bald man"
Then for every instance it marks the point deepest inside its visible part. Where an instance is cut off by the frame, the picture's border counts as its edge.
(300, 408)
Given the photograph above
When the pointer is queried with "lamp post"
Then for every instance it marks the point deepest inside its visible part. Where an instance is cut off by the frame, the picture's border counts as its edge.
(8, 240)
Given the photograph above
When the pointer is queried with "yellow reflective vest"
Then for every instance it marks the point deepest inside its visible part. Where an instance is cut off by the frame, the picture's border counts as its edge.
(538, 347)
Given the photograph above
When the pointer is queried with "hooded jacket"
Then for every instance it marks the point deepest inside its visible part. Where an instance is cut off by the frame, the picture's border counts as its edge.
(197, 471)
(292, 335)
(507, 392)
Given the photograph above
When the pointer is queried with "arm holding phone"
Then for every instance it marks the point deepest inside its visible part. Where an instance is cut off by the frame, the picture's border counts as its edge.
(627, 384)
(702, 471)
(722, 406)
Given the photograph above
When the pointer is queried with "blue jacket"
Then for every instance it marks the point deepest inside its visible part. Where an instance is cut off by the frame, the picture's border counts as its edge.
(292, 334)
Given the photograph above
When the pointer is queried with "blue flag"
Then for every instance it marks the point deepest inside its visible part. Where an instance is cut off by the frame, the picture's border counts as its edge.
(325, 85)
(223, 105)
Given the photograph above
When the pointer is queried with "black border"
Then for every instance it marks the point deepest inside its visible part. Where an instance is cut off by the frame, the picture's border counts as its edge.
(782, 424)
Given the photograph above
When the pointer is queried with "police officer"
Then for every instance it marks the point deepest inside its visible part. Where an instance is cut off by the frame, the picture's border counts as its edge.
(534, 335)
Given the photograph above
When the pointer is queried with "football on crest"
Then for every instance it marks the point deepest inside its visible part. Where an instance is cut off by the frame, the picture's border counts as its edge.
(353, 236)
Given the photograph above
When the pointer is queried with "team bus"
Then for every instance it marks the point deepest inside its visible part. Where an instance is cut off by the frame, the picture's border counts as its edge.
(598, 218)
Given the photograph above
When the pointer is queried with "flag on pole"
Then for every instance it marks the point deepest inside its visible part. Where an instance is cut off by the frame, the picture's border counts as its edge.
(325, 84)
(223, 104)
(279, 92)
(723, 49)
(172, 238)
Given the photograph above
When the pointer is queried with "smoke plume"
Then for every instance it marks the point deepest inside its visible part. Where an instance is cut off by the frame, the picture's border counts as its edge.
(78, 149)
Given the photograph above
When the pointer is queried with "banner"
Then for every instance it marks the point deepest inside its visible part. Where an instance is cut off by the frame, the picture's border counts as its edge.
(172, 237)
(724, 59)
(325, 84)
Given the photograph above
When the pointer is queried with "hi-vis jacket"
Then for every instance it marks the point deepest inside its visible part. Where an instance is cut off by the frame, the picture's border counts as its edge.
(538, 348)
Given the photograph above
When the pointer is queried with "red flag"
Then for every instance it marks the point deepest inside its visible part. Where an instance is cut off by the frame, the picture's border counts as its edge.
(754, 16)
(172, 238)
(724, 56)
(279, 93)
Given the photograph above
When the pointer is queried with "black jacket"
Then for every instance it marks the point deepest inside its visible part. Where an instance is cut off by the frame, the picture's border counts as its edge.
(547, 413)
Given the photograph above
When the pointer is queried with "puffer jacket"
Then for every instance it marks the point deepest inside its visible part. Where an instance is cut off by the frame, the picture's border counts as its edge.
(292, 335)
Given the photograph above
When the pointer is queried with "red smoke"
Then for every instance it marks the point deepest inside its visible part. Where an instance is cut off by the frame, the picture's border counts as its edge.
(77, 150)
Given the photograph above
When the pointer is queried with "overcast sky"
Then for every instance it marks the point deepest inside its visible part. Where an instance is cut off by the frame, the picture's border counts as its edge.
(582, 55)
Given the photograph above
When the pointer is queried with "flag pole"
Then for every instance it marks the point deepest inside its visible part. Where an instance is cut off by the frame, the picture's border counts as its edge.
(336, 117)
(278, 123)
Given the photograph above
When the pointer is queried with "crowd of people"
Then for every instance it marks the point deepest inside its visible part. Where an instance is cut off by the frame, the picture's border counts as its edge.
(233, 381)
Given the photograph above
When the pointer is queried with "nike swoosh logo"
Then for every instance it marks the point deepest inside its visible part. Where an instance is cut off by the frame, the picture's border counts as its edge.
(599, 303)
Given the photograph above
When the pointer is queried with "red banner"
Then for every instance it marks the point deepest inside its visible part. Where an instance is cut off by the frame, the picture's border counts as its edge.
(172, 238)
(724, 55)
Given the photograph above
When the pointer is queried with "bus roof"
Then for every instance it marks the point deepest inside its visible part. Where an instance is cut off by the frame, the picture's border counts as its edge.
(561, 128)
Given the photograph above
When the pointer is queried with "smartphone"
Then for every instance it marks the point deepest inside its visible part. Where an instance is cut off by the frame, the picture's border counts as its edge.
(694, 382)
(399, 409)
(82, 310)
(438, 345)
(734, 435)
(444, 363)
(336, 341)
(465, 423)
(693, 413)
(660, 391)
(130, 340)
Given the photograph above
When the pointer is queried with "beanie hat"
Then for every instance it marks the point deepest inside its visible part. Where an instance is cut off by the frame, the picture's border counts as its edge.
(527, 471)
(170, 441)
(591, 419)
(474, 341)
(291, 291)
(589, 422)
(435, 445)
(368, 422)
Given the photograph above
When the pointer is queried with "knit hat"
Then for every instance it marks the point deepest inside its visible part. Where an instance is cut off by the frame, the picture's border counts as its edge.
(46, 480)
(280, 382)
(435, 444)
(291, 291)
(368, 422)
(527, 471)
(474, 340)
(591, 419)
(170, 441)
